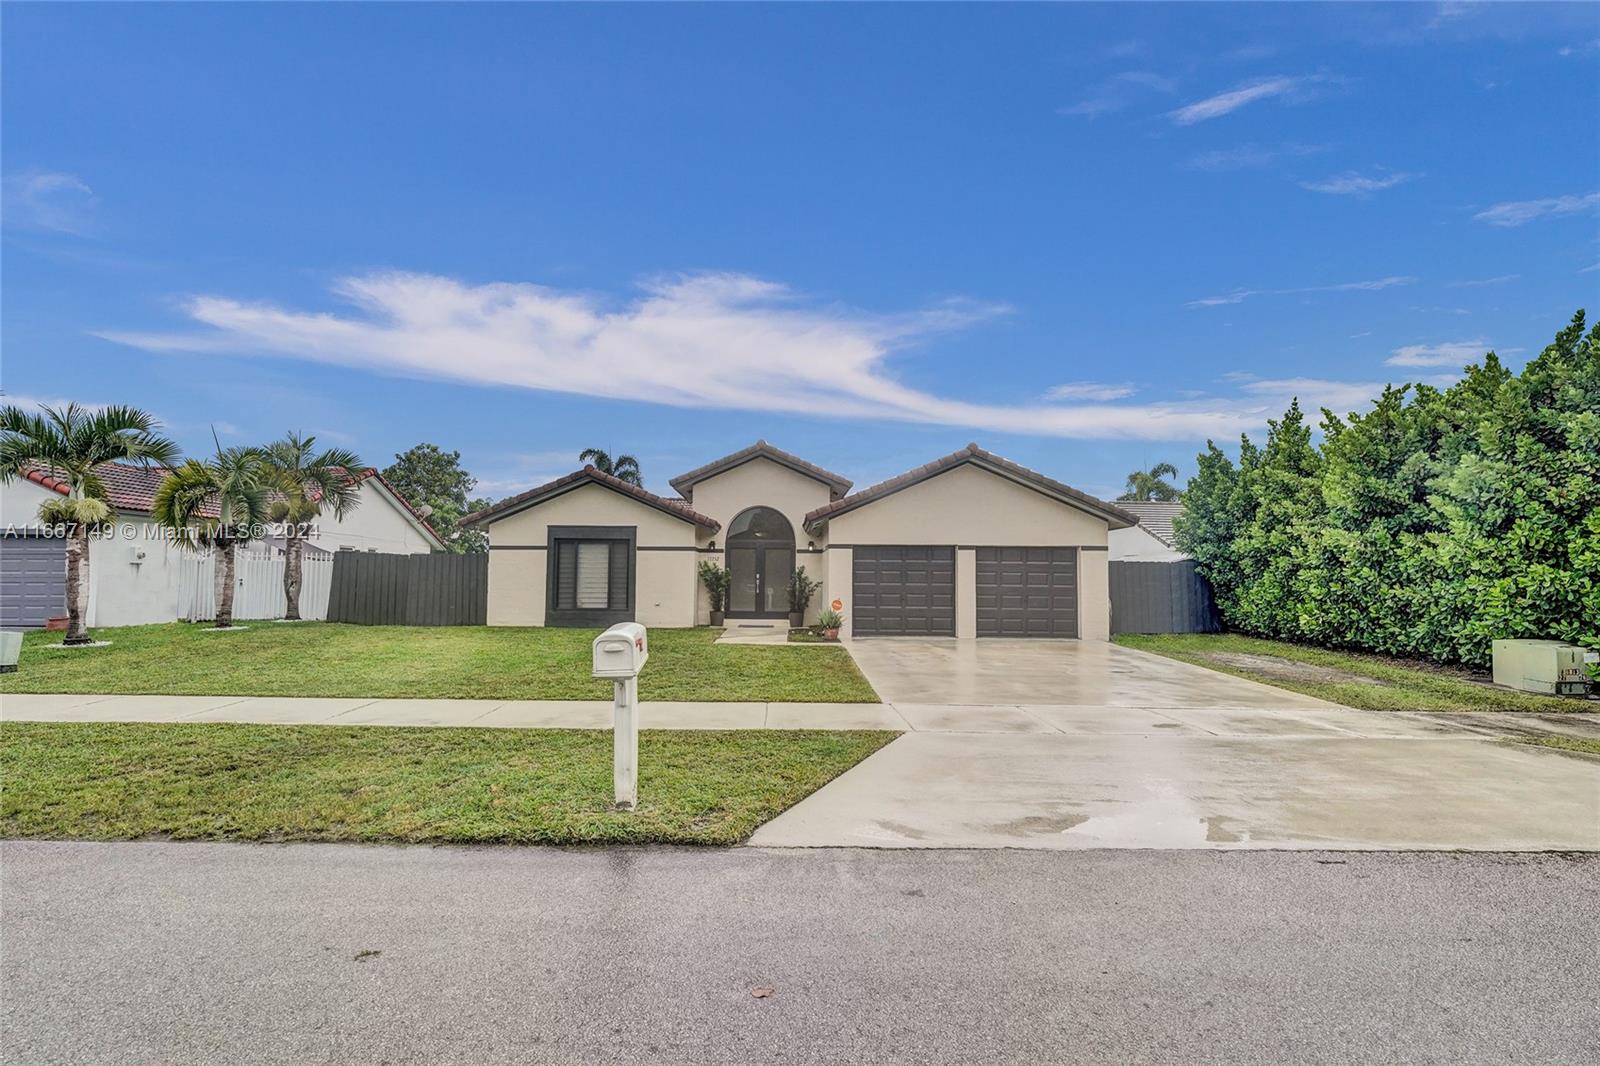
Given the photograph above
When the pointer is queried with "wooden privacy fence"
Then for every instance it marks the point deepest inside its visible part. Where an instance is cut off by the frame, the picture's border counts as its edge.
(379, 589)
(1161, 598)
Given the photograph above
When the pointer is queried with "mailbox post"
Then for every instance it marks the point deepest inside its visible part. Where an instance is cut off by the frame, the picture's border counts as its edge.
(619, 654)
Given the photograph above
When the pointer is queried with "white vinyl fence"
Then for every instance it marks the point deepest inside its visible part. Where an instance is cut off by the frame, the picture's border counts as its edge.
(259, 591)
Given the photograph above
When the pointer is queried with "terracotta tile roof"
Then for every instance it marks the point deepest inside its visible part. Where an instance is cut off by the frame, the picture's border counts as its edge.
(674, 507)
(972, 454)
(133, 488)
(1155, 515)
(128, 488)
(837, 484)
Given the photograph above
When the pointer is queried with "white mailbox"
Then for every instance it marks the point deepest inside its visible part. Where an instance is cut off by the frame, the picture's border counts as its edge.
(620, 652)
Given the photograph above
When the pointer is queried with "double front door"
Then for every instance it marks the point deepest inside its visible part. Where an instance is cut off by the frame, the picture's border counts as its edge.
(759, 585)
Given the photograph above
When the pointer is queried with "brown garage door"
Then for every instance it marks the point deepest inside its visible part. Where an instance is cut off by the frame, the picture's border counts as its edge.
(904, 591)
(1027, 592)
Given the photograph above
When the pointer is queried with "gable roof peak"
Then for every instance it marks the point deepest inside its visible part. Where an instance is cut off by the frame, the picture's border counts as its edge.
(837, 484)
(589, 474)
(1116, 517)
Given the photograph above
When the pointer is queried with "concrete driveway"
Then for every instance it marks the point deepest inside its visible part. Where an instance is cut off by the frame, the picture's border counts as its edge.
(1078, 673)
(1066, 745)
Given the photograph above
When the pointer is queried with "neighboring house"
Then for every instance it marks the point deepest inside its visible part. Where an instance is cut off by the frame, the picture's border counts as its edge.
(970, 545)
(1151, 541)
(139, 575)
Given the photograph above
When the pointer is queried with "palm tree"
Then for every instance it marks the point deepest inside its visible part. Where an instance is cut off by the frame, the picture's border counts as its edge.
(1146, 485)
(69, 442)
(306, 481)
(237, 484)
(625, 467)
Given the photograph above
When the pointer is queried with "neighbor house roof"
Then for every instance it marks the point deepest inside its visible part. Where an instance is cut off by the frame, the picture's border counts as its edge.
(128, 488)
(133, 488)
(1155, 515)
(577, 479)
(1116, 516)
(837, 484)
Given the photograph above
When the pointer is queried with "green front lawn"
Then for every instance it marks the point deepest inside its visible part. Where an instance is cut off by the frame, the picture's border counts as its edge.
(111, 781)
(1371, 682)
(323, 659)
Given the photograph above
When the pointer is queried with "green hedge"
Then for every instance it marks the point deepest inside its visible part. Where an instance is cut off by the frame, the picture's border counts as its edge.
(1429, 526)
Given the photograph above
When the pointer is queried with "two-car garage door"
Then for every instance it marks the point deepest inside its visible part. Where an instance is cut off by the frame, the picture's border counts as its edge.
(910, 591)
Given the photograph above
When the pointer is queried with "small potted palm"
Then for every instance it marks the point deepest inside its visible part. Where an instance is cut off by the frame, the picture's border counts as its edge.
(830, 622)
(801, 589)
(716, 580)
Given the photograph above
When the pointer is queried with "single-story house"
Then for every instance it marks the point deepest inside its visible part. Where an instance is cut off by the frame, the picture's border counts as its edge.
(970, 545)
(1151, 541)
(136, 573)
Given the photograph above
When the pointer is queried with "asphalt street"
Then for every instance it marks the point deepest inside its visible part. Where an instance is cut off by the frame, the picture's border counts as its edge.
(226, 953)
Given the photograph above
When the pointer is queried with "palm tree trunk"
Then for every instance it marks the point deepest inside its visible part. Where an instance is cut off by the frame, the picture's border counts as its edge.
(77, 582)
(225, 603)
(292, 551)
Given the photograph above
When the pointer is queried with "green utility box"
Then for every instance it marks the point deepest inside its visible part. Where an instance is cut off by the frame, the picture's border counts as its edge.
(1546, 666)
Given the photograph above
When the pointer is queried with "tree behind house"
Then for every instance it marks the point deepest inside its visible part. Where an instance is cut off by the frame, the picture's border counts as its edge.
(1152, 484)
(307, 481)
(428, 476)
(68, 443)
(622, 467)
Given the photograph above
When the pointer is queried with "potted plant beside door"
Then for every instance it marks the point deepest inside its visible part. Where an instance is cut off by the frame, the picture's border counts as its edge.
(716, 581)
(801, 589)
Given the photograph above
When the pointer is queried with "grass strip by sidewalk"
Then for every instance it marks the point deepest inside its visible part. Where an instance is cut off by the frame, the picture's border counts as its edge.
(461, 662)
(1587, 745)
(193, 781)
(1354, 679)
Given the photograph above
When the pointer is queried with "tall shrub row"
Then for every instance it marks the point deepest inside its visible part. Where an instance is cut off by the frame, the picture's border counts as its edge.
(1430, 525)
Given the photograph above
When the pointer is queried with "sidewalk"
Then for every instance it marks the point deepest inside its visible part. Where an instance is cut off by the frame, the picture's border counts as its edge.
(506, 714)
(1078, 720)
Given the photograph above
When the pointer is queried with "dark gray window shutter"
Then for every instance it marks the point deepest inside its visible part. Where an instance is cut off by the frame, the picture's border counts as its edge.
(619, 575)
(566, 574)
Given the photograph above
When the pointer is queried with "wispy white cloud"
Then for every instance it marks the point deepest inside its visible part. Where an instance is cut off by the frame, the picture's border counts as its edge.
(1117, 92)
(1237, 296)
(1481, 283)
(37, 404)
(684, 342)
(1447, 353)
(49, 200)
(1232, 100)
(1088, 390)
(1241, 295)
(1250, 156)
(1521, 212)
(1351, 183)
(1589, 269)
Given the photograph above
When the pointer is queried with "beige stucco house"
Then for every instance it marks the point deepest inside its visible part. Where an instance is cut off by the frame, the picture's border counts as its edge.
(970, 545)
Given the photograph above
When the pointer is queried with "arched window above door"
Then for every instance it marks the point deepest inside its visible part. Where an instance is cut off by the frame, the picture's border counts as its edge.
(761, 524)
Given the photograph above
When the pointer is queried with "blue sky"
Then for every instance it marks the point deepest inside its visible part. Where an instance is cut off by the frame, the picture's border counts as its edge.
(1088, 237)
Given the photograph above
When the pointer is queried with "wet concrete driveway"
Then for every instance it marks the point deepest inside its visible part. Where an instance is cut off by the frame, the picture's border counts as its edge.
(1052, 672)
(1094, 746)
